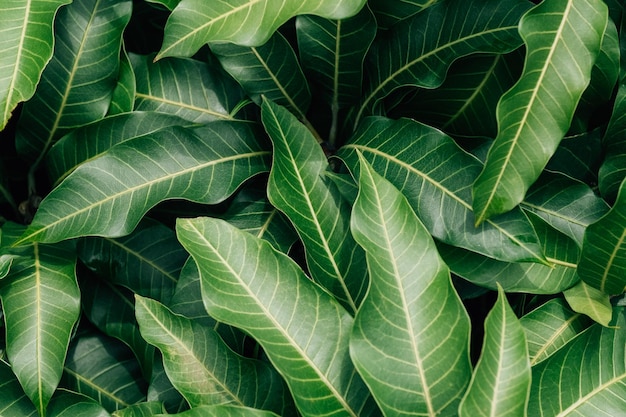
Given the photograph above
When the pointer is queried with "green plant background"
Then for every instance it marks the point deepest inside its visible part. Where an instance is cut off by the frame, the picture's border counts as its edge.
(315, 208)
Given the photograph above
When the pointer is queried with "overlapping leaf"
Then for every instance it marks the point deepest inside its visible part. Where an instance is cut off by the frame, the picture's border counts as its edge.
(389, 13)
(298, 187)
(222, 411)
(590, 301)
(26, 40)
(411, 334)
(144, 409)
(248, 284)
(501, 379)
(563, 39)
(613, 169)
(436, 176)
(77, 84)
(418, 51)
(13, 401)
(204, 165)
(71, 404)
(244, 22)
(123, 98)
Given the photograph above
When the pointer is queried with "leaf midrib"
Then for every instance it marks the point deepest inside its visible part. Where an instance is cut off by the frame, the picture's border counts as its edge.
(183, 105)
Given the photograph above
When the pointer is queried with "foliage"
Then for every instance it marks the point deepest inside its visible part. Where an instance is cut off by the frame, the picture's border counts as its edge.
(346, 207)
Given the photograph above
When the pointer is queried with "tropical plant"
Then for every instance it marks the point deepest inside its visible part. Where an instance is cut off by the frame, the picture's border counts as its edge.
(313, 207)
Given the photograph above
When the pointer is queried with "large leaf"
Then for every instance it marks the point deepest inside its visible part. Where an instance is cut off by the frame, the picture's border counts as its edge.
(298, 187)
(411, 350)
(248, 284)
(221, 411)
(71, 404)
(26, 46)
(586, 377)
(41, 303)
(77, 85)
(501, 380)
(203, 165)
(204, 369)
(563, 39)
(418, 51)
(613, 169)
(13, 401)
(244, 22)
(390, 12)
(436, 176)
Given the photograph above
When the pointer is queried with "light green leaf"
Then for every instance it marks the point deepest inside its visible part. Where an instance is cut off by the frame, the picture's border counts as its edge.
(77, 84)
(501, 379)
(389, 13)
(145, 409)
(187, 88)
(563, 39)
(271, 70)
(411, 351)
(590, 301)
(603, 259)
(586, 377)
(204, 369)
(202, 165)
(221, 411)
(41, 304)
(243, 22)
(123, 98)
(5, 264)
(71, 404)
(248, 284)
(13, 401)
(297, 186)
(436, 176)
(419, 51)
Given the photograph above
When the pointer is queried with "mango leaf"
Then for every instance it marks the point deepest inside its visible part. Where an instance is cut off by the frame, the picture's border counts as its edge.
(204, 369)
(248, 284)
(221, 411)
(186, 88)
(13, 401)
(78, 82)
(41, 304)
(169, 4)
(145, 409)
(123, 98)
(314, 205)
(104, 369)
(271, 70)
(71, 404)
(419, 51)
(426, 368)
(26, 46)
(162, 390)
(603, 257)
(590, 301)
(202, 165)
(613, 169)
(586, 376)
(436, 176)
(389, 13)
(246, 22)
(563, 39)
(549, 327)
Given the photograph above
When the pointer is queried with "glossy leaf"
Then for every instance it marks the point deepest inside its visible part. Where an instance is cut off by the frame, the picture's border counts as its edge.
(204, 369)
(271, 70)
(436, 176)
(222, 411)
(585, 377)
(613, 169)
(419, 51)
(248, 284)
(204, 165)
(389, 13)
(501, 379)
(77, 84)
(26, 45)
(297, 186)
(563, 39)
(412, 354)
(71, 404)
(245, 22)
(13, 401)
(590, 301)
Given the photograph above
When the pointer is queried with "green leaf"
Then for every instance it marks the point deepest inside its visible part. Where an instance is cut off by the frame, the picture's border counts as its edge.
(77, 85)
(613, 169)
(419, 51)
(204, 369)
(222, 411)
(585, 377)
(603, 257)
(71, 404)
(248, 284)
(244, 22)
(202, 165)
(26, 47)
(41, 304)
(187, 88)
(123, 98)
(501, 380)
(104, 369)
(145, 409)
(298, 187)
(590, 301)
(162, 390)
(563, 39)
(436, 176)
(271, 70)
(426, 367)
(13, 401)
(389, 13)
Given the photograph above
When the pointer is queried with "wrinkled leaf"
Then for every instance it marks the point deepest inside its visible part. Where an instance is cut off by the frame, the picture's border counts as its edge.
(590, 301)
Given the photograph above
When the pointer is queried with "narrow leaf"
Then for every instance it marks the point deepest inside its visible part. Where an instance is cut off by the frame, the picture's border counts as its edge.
(590, 301)
(412, 353)
(563, 39)
(248, 284)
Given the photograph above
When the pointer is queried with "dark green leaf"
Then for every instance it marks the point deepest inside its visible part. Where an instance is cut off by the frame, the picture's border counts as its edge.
(123, 98)
(389, 13)
(13, 401)
(222, 411)
(71, 404)
(613, 169)
(146, 409)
